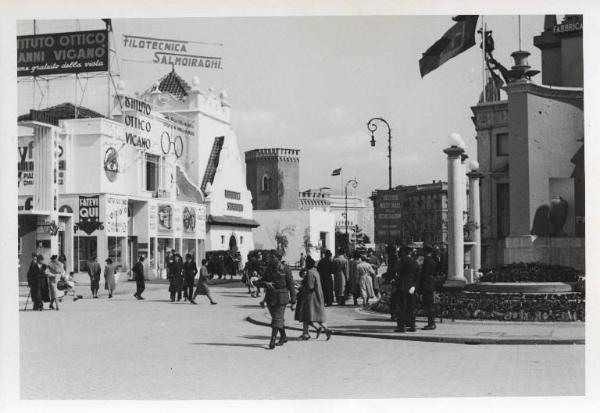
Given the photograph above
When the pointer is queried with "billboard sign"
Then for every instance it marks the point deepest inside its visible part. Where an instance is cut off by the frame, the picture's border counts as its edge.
(173, 52)
(388, 218)
(59, 53)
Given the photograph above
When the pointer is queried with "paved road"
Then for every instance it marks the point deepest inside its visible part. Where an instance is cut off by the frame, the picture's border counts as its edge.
(128, 349)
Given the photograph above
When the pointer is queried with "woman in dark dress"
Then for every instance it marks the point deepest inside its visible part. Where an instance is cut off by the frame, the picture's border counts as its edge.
(310, 302)
(176, 280)
(280, 292)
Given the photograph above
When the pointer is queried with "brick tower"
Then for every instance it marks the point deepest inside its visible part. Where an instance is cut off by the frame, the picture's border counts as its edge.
(272, 177)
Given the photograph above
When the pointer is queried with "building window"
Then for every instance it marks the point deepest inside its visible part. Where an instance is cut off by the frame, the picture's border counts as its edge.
(502, 144)
(152, 170)
(241, 240)
(222, 239)
(266, 183)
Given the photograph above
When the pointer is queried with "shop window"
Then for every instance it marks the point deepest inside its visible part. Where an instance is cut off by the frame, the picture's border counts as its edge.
(152, 171)
(116, 249)
(502, 144)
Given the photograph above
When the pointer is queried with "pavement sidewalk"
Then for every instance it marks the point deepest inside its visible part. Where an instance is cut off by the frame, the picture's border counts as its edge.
(358, 322)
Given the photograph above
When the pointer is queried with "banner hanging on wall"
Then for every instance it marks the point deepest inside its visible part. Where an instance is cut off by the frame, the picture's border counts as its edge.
(89, 214)
(59, 53)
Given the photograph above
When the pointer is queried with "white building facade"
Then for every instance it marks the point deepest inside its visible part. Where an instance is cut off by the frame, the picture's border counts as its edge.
(163, 173)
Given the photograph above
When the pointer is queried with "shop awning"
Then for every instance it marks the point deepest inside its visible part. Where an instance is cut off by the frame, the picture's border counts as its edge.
(231, 220)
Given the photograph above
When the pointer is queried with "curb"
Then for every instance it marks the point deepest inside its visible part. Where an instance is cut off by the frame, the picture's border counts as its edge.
(435, 339)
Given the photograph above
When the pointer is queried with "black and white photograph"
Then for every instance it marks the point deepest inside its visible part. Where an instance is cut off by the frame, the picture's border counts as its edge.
(298, 202)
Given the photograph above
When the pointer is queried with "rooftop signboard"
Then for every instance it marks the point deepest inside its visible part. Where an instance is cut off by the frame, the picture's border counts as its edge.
(60, 53)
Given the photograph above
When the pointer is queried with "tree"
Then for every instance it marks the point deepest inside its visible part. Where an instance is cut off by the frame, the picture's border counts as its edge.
(281, 239)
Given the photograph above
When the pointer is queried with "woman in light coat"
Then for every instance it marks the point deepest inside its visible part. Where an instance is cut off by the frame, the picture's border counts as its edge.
(365, 273)
(109, 277)
(54, 272)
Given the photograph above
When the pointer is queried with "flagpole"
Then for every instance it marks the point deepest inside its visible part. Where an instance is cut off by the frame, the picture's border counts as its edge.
(519, 16)
(483, 57)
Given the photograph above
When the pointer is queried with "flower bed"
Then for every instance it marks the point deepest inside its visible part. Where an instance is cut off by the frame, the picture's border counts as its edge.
(501, 307)
(530, 272)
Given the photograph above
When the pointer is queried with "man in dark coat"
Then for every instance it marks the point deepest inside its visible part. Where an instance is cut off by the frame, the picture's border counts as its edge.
(94, 271)
(425, 285)
(189, 273)
(406, 272)
(34, 282)
(138, 276)
(325, 269)
(280, 291)
(176, 281)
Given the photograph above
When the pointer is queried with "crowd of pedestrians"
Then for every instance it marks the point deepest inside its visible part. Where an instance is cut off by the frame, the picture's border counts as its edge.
(49, 282)
(331, 280)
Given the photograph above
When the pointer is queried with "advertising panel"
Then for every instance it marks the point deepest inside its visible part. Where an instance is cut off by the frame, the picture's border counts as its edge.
(152, 219)
(177, 221)
(26, 165)
(147, 130)
(201, 222)
(58, 53)
(116, 216)
(165, 219)
(388, 218)
(172, 52)
(89, 214)
(189, 221)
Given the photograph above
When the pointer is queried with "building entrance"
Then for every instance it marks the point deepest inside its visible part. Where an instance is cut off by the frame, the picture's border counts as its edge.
(84, 249)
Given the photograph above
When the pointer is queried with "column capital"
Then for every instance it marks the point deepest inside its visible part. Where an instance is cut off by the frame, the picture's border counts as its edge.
(454, 151)
(474, 175)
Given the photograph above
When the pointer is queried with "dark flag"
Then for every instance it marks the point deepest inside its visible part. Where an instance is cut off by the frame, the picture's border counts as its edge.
(459, 38)
(336, 172)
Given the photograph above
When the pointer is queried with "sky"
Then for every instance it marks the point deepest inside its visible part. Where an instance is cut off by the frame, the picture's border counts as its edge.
(312, 83)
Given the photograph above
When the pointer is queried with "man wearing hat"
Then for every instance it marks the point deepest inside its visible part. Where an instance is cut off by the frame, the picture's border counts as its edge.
(94, 271)
(405, 272)
(425, 285)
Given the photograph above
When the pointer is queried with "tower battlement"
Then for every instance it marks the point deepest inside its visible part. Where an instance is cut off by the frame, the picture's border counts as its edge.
(274, 154)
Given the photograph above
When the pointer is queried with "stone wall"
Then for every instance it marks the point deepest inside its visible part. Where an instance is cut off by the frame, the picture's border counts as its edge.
(569, 252)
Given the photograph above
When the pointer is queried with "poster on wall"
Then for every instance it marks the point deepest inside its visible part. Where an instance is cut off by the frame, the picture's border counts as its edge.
(26, 165)
(152, 219)
(177, 220)
(57, 53)
(116, 216)
(189, 220)
(89, 214)
(201, 222)
(165, 218)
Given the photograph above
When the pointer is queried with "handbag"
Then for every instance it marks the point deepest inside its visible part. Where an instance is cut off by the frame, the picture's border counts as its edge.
(62, 285)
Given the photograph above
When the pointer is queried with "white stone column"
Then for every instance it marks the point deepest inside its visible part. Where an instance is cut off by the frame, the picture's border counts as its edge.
(456, 277)
(475, 214)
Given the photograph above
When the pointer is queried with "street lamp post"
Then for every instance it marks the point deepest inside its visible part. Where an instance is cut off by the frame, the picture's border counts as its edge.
(354, 185)
(372, 126)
